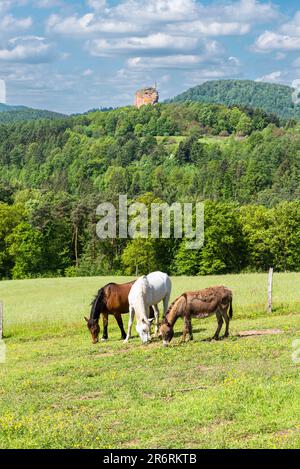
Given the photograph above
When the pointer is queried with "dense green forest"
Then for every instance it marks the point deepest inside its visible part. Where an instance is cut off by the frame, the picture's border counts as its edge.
(270, 97)
(54, 173)
(23, 113)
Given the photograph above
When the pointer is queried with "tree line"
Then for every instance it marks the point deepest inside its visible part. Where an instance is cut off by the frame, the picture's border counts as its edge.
(54, 234)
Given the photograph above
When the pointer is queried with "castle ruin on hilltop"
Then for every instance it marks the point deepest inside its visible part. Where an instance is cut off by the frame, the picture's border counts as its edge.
(146, 96)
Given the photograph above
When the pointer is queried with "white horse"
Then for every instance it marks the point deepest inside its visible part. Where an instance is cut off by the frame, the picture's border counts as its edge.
(147, 291)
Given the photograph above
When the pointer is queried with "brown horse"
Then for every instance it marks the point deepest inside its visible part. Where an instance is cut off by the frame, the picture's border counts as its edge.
(111, 299)
(199, 304)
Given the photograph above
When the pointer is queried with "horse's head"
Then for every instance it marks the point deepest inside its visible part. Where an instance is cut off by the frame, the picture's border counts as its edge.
(143, 329)
(93, 322)
(166, 331)
(94, 328)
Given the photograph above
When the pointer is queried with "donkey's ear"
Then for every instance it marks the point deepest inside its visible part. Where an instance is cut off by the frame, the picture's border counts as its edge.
(86, 319)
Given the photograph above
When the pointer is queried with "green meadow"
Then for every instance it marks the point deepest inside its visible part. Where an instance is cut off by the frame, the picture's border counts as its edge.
(58, 390)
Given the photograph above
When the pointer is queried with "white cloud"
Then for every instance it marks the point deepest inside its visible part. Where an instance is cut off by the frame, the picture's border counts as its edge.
(292, 27)
(280, 56)
(270, 40)
(2, 91)
(158, 41)
(199, 76)
(273, 77)
(10, 23)
(88, 72)
(156, 11)
(184, 16)
(6, 5)
(252, 11)
(97, 4)
(88, 25)
(30, 49)
(212, 28)
(48, 3)
(171, 61)
(234, 60)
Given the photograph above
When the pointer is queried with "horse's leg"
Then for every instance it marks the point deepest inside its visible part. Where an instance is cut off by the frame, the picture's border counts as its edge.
(105, 325)
(156, 315)
(119, 320)
(130, 322)
(220, 323)
(226, 318)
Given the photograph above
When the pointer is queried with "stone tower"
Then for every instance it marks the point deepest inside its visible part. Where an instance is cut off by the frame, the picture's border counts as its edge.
(146, 96)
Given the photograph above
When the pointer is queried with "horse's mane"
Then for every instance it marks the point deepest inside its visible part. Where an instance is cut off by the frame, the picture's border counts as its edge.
(172, 305)
(142, 287)
(98, 301)
(145, 284)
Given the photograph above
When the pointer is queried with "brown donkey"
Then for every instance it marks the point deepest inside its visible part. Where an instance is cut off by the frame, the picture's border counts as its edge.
(198, 304)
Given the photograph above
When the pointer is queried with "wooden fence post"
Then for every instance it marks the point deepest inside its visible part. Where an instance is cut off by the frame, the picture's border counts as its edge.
(270, 286)
(1, 320)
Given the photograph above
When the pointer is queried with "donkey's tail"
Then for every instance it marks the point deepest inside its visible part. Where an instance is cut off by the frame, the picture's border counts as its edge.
(230, 309)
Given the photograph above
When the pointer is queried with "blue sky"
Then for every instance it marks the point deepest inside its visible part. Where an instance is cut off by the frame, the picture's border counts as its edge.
(71, 56)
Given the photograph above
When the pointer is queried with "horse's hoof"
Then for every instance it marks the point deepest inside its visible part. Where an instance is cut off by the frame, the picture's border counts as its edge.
(104, 339)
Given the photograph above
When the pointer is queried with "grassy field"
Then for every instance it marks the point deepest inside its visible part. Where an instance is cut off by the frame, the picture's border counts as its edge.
(172, 143)
(57, 390)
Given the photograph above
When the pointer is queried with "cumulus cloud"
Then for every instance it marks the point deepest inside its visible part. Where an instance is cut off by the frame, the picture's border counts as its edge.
(9, 23)
(234, 60)
(88, 25)
(48, 3)
(2, 91)
(212, 28)
(153, 42)
(87, 73)
(269, 41)
(286, 38)
(185, 16)
(97, 4)
(171, 61)
(6, 5)
(273, 77)
(30, 49)
(252, 11)
(292, 27)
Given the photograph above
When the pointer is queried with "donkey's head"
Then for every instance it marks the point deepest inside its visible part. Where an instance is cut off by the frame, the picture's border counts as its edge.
(94, 328)
(166, 331)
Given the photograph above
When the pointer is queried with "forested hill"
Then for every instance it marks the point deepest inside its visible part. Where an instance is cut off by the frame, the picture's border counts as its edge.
(53, 175)
(272, 98)
(23, 113)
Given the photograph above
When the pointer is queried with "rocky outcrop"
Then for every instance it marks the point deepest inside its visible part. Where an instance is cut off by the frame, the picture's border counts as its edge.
(146, 96)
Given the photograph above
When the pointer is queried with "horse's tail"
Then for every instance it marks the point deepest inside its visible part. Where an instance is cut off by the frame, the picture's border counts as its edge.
(230, 308)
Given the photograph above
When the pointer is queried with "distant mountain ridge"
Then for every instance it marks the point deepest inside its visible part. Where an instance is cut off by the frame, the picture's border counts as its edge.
(22, 113)
(271, 97)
